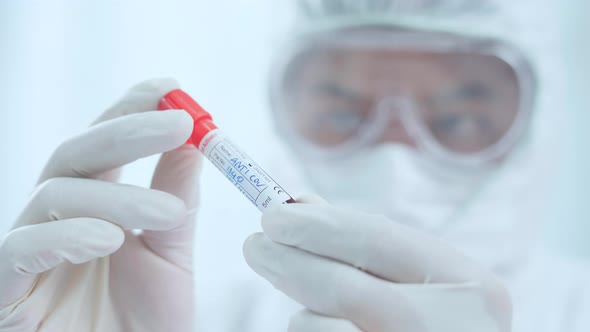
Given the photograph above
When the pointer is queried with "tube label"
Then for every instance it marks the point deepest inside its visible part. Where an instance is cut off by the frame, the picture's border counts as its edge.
(240, 169)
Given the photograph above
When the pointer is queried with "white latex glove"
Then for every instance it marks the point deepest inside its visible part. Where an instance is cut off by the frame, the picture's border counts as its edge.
(360, 272)
(71, 263)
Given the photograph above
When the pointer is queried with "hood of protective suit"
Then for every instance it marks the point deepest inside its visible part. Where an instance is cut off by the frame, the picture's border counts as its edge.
(498, 215)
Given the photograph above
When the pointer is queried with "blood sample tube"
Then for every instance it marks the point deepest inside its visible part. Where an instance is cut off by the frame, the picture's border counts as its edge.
(240, 169)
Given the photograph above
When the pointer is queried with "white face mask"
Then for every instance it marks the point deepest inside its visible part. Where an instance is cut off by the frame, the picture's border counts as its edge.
(398, 182)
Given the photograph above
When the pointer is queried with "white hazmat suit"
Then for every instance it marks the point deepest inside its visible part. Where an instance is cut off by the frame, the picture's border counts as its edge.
(498, 221)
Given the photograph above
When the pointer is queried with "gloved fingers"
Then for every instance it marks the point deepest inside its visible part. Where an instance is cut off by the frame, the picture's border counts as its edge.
(338, 290)
(142, 97)
(117, 142)
(457, 308)
(33, 249)
(128, 206)
(325, 286)
(372, 243)
(178, 174)
(308, 321)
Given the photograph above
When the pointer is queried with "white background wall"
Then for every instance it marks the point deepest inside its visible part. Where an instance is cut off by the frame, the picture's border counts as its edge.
(570, 228)
(62, 62)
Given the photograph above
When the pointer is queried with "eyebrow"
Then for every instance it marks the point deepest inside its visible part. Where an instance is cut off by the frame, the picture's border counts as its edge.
(475, 88)
(467, 89)
(336, 90)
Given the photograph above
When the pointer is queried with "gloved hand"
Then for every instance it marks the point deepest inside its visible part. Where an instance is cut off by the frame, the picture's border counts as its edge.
(71, 261)
(360, 272)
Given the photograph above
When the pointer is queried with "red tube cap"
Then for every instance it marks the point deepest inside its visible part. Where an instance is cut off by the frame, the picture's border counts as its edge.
(203, 122)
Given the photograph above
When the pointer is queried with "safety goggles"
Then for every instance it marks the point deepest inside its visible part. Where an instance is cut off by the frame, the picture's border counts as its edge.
(460, 100)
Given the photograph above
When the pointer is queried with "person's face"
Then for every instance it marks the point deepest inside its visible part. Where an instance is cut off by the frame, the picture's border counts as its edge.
(467, 102)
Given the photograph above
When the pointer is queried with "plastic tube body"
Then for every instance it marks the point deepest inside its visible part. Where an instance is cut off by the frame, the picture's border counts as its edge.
(237, 166)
